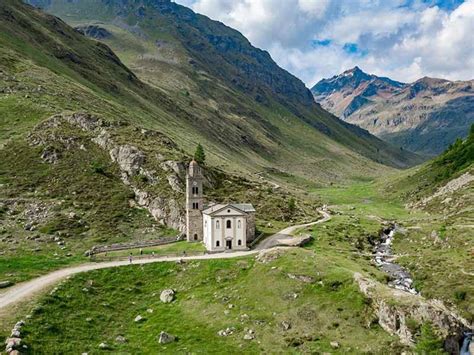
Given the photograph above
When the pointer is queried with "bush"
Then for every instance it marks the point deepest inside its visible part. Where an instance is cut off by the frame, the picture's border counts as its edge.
(428, 342)
(460, 295)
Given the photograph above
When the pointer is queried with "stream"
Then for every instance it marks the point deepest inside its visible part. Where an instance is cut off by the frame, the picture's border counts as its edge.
(400, 277)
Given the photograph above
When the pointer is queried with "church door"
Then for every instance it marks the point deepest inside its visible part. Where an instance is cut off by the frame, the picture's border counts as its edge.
(228, 244)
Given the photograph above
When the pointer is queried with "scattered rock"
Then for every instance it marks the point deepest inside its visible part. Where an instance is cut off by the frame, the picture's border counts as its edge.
(167, 296)
(139, 318)
(226, 332)
(334, 344)
(285, 325)
(166, 338)
(303, 278)
(149, 310)
(4, 284)
(121, 339)
(249, 337)
(104, 346)
(12, 344)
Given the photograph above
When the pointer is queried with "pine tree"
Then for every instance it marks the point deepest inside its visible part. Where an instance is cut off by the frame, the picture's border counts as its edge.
(199, 155)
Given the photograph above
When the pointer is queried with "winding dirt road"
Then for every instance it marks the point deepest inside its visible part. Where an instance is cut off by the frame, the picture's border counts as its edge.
(26, 290)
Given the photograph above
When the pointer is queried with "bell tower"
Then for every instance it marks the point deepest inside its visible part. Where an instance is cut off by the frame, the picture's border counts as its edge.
(194, 202)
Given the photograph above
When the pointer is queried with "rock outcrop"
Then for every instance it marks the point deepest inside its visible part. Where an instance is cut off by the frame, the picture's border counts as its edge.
(167, 209)
(394, 310)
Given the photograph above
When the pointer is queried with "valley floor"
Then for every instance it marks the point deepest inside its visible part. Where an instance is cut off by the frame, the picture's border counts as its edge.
(293, 300)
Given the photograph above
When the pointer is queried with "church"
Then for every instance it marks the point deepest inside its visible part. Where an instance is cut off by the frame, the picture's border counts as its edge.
(220, 227)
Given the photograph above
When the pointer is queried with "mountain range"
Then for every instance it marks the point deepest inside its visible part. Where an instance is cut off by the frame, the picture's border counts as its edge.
(425, 116)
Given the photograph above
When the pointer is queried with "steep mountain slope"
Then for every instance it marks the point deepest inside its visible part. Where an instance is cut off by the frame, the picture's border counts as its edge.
(425, 116)
(219, 78)
(91, 154)
(438, 245)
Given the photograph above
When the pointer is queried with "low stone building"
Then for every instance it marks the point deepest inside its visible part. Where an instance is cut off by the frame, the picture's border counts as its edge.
(220, 227)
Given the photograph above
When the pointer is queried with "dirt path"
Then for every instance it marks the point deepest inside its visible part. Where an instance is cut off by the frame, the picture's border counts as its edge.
(26, 290)
(280, 237)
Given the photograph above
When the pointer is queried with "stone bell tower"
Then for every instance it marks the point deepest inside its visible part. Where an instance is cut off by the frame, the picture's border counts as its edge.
(194, 202)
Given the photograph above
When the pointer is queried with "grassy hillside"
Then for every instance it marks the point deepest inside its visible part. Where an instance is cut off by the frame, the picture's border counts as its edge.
(438, 246)
(225, 83)
(225, 291)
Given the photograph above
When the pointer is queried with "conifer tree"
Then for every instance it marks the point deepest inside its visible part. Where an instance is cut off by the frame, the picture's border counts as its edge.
(199, 155)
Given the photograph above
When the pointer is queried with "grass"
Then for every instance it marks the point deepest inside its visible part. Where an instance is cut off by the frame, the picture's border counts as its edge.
(329, 309)
(178, 248)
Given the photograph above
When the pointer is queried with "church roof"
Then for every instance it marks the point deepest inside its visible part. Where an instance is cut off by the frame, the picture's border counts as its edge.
(244, 207)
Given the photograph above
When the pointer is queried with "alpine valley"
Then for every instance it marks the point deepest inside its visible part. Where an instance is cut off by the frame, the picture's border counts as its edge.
(120, 119)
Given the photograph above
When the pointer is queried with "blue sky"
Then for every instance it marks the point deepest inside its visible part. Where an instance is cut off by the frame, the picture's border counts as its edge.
(314, 39)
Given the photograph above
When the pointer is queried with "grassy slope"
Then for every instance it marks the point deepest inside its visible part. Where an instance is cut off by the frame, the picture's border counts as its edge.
(439, 247)
(171, 49)
(330, 310)
(47, 68)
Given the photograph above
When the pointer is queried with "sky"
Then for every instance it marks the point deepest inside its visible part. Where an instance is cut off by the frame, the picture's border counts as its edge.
(314, 39)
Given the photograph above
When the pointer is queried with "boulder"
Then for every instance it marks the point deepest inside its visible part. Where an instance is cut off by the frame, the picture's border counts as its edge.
(166, 338)
(139, 319)
(334, 344)
(249, 336)
(12, 344)
(167, 296)
(104, 346)
(121, 339)
(285, 325)
(4, 284)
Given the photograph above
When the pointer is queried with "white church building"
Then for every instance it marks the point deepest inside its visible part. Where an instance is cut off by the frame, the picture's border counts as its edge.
(220, 227)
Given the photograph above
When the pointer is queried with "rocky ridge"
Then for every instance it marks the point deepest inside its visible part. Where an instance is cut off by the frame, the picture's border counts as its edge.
(131, 161)
(424, 116)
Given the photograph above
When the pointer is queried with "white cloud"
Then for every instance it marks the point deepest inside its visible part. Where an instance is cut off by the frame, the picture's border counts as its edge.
(384, 37)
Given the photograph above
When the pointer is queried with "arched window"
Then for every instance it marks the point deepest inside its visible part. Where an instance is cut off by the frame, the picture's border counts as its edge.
(195, 236)
(217, 224)
(239, 224)
(239, 242)
(217, 243)
(195, 205)
(229, 224)
(195, 190)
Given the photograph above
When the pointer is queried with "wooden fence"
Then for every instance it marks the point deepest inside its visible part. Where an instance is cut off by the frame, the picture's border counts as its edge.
(134, 245)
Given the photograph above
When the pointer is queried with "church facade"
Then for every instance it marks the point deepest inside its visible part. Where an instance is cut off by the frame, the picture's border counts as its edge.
(220, 227)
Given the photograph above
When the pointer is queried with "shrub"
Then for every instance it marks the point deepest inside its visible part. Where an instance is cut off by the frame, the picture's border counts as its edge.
(460, 295)
(428, 342)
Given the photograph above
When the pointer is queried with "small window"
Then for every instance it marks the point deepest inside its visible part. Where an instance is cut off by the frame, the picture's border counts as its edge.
(218, 244)
(195, 205)
(217, 224)
(197, 190)
(228, 211)
(195, 236)
(239, 242)
(229, 224)
(239, 224)
(205, 224)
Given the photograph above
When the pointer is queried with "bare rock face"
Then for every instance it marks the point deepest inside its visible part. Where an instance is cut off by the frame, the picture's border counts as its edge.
(131, 161)
(129, 158)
